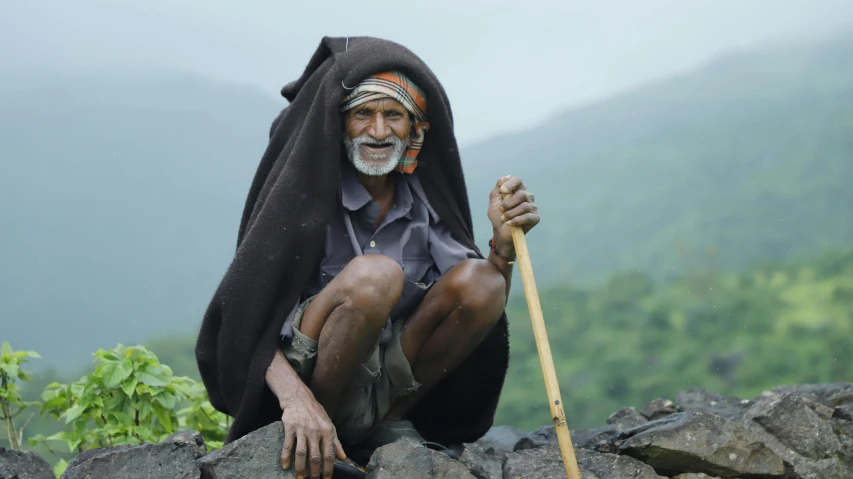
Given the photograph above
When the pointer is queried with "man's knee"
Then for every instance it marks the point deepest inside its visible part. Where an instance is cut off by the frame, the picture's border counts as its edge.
(372, 280)
(479, 287)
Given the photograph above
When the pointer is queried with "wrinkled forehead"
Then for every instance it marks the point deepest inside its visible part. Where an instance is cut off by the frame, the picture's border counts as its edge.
(383, 105)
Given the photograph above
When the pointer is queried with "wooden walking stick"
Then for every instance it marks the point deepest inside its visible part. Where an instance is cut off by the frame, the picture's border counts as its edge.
(545, 359)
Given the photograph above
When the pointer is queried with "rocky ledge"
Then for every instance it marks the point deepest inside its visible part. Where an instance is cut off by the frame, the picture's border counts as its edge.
(802, 432)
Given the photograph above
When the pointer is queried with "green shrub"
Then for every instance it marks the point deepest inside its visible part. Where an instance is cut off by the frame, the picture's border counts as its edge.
(11, 403)
(130, 398)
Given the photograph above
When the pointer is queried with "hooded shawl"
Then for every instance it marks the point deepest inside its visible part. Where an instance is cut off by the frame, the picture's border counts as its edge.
(279, 245)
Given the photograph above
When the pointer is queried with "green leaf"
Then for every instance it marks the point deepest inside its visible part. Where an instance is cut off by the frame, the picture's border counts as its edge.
(144, 432)
(167, 400)
(11, 369)
(150, 379)
(72, 444)
(114, 372)
(164, 418)
(60, 467)
(129, 387)
(73, 413)
(123, 418)
(6, 349)
(60, 436)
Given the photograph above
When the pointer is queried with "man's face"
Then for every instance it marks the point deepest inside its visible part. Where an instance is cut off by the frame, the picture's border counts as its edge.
(376, 135)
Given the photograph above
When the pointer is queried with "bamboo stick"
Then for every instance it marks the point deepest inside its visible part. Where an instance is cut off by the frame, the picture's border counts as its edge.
(545, 359)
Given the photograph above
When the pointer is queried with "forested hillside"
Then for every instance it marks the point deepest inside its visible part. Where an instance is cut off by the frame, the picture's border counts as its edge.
(629, 341)
(122, 192)
(746, 160)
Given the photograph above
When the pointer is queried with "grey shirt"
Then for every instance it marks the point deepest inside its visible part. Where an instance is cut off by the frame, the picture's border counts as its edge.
(411, 234)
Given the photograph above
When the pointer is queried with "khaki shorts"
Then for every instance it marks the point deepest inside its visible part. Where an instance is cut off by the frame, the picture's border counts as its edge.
(383, 377)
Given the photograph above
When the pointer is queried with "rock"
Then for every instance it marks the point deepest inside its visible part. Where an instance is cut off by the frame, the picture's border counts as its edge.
(671, 419)
(658, 409)
(406, 458)
(257, 454)
(800, 424)
(481, 465)
(501, 439)
(843, 412)
(801, 430)
(23, 465)
(148, 461)
(626, 418)
(830, 394)
(600, 439)
(192, 439)
(547, 463)
(90, 453)
(705, 443)
(606, 466)
(700, 400)
(691, 475)
(541, 437)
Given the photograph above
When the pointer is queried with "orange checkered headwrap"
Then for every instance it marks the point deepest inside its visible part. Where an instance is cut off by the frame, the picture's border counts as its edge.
(395, 85)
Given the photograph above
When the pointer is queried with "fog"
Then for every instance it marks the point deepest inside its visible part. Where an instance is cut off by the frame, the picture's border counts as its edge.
(491, 56)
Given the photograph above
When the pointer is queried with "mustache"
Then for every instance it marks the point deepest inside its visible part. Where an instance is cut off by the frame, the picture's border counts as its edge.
(365, 139)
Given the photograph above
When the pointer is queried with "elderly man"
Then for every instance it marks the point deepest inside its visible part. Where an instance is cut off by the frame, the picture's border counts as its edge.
(356, 255)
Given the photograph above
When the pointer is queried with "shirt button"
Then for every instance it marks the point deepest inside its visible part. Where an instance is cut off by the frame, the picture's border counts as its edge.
(372, 244)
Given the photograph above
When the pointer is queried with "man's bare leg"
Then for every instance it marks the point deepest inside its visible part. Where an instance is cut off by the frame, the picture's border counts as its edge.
(346, 318)
(451, 321)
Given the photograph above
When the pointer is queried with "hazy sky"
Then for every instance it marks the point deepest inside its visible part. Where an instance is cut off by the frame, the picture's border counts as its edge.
(505, 64)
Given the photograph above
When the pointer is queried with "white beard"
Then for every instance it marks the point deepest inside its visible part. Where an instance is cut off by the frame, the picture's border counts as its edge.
(380, 164)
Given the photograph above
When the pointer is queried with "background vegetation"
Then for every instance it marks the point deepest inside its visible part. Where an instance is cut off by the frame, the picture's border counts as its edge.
(698, 231)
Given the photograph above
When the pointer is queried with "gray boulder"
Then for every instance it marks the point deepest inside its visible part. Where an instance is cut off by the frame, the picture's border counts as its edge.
(193, 439)
(481, 465)
(830, 394)
(23, 465)
(501, 439)
(626, 418)
(547, 463)
(699, 442)
(843, 412)
(257, 454)
(148, 461)
(406, 458)
(692, 475)
(802, 430)
(601, 439)
(700, 400)
(658, 408)
(799, 423)
(541, 437)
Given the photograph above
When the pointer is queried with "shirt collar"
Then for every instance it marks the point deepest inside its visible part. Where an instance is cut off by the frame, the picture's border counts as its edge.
(354, 196)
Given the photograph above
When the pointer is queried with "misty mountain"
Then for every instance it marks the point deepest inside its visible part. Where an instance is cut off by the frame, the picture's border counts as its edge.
(121, 192)
(749, 159)
(121, 199)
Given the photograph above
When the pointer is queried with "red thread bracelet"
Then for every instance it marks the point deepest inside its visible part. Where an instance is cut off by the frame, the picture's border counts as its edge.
(495, 251)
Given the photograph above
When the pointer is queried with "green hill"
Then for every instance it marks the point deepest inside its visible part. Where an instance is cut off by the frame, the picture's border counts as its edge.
(629, 340)
(122, 191)
(747, 159)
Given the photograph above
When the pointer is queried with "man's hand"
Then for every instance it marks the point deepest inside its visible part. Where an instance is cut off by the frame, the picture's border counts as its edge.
(309, 429)
(516, 210)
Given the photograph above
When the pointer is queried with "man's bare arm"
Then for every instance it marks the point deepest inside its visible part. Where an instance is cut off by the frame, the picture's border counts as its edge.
(306, 424)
